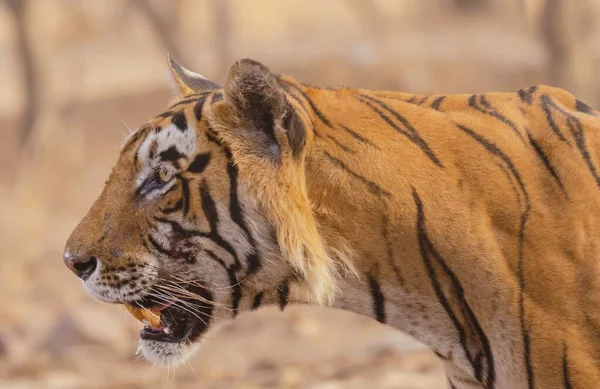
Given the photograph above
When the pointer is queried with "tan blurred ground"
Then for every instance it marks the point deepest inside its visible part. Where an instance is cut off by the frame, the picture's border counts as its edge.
(101, 66)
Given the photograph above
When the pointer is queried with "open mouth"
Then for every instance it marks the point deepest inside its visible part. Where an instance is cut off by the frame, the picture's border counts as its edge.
(172, 319)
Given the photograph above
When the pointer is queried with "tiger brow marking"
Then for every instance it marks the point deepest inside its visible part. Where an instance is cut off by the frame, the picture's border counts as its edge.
(180, 121)
(378, 298)
(497, 152)
(409, 131)
(199, 163)
(172, 154)
(485, 107)
(431, 257)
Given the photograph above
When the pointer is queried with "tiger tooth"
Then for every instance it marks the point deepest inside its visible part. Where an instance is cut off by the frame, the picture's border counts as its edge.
(149, 317)
(166, 330)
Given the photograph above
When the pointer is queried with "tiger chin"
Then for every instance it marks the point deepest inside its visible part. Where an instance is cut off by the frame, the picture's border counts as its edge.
(471, 222)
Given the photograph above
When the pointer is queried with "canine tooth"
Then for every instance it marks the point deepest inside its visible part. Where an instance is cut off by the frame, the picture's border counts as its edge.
(149, 317)
(166, 330)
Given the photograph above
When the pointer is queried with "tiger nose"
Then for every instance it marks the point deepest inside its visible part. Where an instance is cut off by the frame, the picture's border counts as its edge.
(82, 266)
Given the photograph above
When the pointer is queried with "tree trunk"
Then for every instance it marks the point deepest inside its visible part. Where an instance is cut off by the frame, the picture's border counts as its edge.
(17, 9)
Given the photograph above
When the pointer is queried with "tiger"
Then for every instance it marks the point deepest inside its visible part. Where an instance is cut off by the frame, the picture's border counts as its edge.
(470, 222)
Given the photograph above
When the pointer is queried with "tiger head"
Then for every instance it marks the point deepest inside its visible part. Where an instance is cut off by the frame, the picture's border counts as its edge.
(206, 213)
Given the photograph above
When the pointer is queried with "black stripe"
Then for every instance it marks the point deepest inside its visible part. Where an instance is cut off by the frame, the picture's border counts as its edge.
(565, 368)
(198, 109)
(540, 153)
(487, 109)
(583, 107)
(494, 150)
(371, 186)
(185, 194)
(429, 254)
(525, 96)
(286, 87)
(284, 294)
(440, 355)
(390, 253)
(152, 149)
(165, 114)
(340, 145)
(211, 214)
(176, 207)
(184, 101)
(204, 309)
(257, 301)
(236, 290)
(237, 215)
(171, 154)
(378, 299)
(216, 97)
(212, 136)
(180, 232)
(423, 100)
(547, 103)
(158, 247)
(135, 137)
(234, 284)
(357, 136)
(578, 134)
(437, 102)
(316, 110)
(410, 132)
(179, 120)
(199, 163)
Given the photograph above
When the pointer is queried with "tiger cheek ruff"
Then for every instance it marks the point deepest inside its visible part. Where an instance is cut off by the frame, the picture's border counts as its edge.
(469, 221)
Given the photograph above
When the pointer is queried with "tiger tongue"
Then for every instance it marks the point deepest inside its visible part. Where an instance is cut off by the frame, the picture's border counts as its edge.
(146, 316)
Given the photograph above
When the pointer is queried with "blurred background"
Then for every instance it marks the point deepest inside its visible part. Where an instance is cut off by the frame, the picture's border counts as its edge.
(75, 74)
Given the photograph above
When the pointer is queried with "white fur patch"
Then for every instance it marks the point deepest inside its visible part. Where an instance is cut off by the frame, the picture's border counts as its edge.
(171, 136)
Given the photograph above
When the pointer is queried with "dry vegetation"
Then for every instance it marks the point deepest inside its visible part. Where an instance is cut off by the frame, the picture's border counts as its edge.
(100, 68)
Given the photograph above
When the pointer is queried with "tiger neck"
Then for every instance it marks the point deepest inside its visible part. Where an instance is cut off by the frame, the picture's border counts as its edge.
(334, 161)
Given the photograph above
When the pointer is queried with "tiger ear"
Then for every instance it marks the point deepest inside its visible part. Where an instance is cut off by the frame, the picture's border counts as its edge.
(187, 82)
(256, 99)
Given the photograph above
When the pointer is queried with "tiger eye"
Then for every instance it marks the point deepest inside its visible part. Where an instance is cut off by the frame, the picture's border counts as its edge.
(165, 175)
